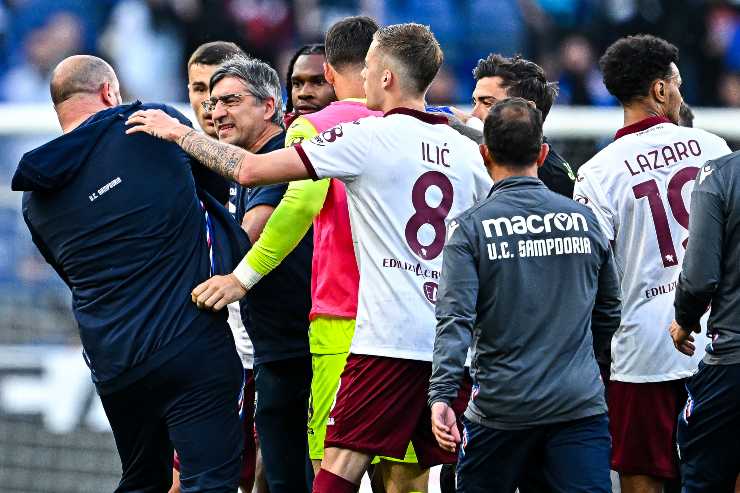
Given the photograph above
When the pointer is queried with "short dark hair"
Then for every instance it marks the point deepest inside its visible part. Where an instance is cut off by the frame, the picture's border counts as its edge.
(347, 41)
(631, 64)
(513, 132)
(685, 116)
(521, 78)
(214, 53)
(415, 48)
(310, 49)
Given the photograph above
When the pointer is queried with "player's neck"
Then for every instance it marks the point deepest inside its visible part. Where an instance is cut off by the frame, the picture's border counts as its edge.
(639, 111)
(499, 172)
(268, 133)
(413, 103)
(348, 86)
(72, 113)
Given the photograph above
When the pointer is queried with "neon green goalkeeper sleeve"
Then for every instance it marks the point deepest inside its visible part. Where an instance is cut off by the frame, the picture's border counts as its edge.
(288, 224)
(293, 216)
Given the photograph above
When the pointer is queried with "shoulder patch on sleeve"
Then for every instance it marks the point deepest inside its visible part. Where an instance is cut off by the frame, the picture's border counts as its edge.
(705, 171)
(569, 171)
(452, 228)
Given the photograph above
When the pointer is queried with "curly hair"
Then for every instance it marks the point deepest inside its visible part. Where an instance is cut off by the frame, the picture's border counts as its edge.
(521, 78)
(631, 64)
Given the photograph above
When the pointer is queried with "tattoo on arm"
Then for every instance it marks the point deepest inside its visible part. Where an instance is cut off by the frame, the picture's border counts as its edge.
(224, 159)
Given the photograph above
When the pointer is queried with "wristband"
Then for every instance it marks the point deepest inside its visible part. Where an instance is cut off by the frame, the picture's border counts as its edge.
(246, 275)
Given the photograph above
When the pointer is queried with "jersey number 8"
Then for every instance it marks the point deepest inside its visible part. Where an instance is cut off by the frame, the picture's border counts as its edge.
(425, 214)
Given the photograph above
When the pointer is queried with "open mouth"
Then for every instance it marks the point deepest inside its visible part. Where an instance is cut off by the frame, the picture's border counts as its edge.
(225, 128)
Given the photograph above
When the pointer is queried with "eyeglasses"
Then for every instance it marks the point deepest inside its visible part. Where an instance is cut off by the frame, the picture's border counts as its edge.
(229, 100)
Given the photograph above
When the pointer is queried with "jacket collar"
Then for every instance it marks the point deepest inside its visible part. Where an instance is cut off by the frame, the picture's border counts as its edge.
(434, 119)
(640, 126)
(516, 182)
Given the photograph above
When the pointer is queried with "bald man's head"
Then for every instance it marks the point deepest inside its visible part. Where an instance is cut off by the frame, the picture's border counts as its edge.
(83, 75)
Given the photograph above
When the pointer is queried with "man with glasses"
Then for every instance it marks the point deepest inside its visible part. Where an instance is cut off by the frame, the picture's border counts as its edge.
(381, 402)
(201, 65)
(245, 106)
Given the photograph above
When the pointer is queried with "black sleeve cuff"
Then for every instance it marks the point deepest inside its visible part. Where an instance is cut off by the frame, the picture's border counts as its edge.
(689, 308)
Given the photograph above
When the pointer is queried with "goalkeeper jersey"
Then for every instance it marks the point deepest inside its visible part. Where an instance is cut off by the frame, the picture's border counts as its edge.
(334, 275)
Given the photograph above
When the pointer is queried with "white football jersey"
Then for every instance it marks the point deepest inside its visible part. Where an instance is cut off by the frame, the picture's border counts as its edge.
(407, 174)
(243, 343)
(639, 187)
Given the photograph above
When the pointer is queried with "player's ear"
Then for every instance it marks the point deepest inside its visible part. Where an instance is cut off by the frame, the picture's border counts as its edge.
(329, 73)
(483, 148)
(269, 108)
(108, 95)
(544, 150)
(659, 91)
(387, 78)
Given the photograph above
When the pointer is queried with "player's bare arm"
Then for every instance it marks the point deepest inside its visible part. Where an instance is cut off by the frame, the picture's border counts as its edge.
(224, 159)
(231, 162)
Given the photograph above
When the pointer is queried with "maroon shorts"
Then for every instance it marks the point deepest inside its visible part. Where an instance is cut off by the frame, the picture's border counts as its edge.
(642, 422)
(246, 405)
(381, 405)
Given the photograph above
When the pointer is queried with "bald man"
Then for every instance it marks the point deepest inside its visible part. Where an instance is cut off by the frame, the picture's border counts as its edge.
(122, 223)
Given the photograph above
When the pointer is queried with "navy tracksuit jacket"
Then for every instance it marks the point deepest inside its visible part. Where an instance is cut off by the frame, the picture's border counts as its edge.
(122, 221)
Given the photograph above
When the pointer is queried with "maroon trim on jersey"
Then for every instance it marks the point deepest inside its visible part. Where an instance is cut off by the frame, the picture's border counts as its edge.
(306, 162)
(289, 118)
(641, 125)
(425, 117)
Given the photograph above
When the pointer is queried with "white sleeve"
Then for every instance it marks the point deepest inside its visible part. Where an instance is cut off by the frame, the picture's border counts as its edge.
(588, 191)
(341, 152)
(722, 149)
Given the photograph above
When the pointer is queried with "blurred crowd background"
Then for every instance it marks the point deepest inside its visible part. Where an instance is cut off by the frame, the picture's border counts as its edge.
(52, 432)
(148, 41)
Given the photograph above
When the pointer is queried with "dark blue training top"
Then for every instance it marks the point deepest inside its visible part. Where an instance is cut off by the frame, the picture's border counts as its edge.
(275, 311)
(118, 218)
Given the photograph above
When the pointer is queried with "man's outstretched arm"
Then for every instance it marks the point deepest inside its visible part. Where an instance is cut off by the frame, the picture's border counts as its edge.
(230, 161)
